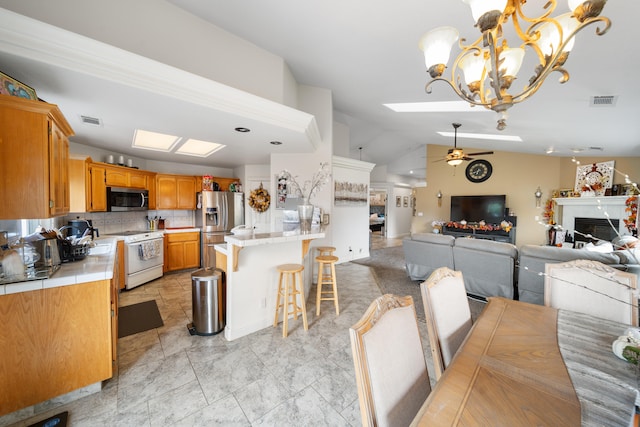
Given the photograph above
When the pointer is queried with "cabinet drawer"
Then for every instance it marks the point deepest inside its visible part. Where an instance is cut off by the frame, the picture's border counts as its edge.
(182, 237)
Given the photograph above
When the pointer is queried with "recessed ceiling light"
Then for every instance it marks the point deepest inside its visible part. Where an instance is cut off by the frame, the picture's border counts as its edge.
(195, 147)
(275, 143)
(153, 141)
(483, 136)
(241, 129)
(434, 107)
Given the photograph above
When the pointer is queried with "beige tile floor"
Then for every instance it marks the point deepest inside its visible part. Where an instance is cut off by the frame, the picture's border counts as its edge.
(167, 376)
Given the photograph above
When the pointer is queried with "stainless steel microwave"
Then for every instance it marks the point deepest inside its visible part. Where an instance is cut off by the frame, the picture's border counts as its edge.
(127, 199)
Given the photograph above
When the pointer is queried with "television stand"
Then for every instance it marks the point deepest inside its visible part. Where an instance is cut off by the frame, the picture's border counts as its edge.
(496, 235)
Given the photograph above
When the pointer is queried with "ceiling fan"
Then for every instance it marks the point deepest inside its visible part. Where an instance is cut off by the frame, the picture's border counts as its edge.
(456, 155)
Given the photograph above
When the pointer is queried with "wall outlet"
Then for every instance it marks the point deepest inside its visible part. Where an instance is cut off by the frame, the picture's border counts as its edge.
(350, 249)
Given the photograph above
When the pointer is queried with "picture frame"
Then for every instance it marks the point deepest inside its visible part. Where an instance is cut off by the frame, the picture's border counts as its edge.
(405, 201)
(398, 202)
(12, 87)
(565, 192)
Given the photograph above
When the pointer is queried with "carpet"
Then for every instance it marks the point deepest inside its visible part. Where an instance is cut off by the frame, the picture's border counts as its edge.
(139, 317)
(387, 266)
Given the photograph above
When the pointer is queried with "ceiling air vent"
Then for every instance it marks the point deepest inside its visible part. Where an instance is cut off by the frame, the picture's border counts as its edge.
(603, 101)
(93, 121)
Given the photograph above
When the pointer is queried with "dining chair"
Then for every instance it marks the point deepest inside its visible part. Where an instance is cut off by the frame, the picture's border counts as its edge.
(391, 371)
(447, 314)
(592, 288)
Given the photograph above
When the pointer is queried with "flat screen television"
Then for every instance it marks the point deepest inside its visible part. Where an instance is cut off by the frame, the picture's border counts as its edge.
(491, 209)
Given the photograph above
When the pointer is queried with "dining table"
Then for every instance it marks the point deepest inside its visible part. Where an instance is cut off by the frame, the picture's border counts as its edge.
(530, 365)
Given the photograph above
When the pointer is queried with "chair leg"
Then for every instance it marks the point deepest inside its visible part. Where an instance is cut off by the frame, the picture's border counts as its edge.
(335, 288)
(285, 315)
(302, 302)
(278, 299)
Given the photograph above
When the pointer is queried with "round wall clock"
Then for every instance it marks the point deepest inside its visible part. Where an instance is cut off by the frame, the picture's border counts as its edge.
(479, 170)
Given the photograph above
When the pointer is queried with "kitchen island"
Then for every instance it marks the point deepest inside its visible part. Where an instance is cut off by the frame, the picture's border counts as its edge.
(59, 334)
(251, 277)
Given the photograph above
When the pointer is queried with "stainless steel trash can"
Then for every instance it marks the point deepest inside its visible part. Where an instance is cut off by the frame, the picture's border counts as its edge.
(208, 302)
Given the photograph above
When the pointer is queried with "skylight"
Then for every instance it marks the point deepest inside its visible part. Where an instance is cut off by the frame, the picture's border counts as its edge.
(147, 140)
(492, 137)
(194, 147)
(154, 141)
(435, 107)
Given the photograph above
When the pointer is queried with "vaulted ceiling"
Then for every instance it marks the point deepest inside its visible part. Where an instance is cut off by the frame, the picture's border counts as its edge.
(366, 54)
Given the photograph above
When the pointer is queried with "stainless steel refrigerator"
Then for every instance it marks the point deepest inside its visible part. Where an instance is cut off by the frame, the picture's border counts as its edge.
(216, 214)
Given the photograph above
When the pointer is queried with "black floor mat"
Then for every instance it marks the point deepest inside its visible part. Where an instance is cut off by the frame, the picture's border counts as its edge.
(139, 317)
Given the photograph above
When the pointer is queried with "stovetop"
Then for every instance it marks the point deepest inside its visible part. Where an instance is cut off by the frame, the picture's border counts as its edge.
(137, 235)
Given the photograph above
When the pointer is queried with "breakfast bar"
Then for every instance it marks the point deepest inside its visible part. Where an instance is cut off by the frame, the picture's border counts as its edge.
(250, 264)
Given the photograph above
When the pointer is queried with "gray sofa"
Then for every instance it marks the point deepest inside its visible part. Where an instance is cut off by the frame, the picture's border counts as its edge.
(494, 268)
(488, 267)
(426, 252)
(532, 260)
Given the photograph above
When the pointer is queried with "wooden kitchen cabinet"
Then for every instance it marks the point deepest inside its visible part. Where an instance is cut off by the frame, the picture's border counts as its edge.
(175, 192)
(87, 186)
(34, 154)
(124, 177)
(182, 250)
(54, 341)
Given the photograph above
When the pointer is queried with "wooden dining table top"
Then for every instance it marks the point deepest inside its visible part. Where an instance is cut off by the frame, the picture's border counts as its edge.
(509, 371)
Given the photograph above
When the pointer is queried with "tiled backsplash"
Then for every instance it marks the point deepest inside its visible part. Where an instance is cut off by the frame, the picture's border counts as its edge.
(105, 222)
(116, 222)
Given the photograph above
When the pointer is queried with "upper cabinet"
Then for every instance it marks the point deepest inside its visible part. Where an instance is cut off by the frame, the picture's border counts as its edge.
(175, 192)
(34, 155)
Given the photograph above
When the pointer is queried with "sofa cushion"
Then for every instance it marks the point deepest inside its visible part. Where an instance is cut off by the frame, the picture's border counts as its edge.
(423, 257)
(438, 239)
(532, 267)
(488, 267)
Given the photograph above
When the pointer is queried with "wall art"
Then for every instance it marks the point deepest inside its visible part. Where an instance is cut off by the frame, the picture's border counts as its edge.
(350, 194)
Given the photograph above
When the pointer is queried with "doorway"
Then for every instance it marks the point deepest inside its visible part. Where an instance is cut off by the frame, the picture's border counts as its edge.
(378, 212)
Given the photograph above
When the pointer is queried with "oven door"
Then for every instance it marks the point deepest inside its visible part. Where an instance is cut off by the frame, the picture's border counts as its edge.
(143, 262)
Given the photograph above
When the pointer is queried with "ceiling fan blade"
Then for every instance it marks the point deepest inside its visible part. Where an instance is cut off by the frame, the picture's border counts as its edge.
(481, 153)
(467, 158)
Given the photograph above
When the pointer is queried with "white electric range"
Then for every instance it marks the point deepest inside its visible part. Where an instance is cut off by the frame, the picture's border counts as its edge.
(143, 256)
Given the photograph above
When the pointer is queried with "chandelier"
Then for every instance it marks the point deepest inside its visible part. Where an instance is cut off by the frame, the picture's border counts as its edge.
(489, 65)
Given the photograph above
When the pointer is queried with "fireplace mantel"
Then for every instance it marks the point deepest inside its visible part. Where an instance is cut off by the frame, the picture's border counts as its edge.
(591, 201)
(591, 207)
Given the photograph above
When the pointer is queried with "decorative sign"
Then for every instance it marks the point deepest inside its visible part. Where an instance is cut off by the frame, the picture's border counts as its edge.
(350, 194)
(595, 177)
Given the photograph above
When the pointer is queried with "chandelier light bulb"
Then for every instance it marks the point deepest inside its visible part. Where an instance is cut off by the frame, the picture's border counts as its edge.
(550, 38)
(472, 66)
(436, 46)
(486, 12)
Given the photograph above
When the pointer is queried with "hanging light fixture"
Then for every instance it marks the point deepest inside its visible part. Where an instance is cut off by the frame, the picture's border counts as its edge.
(489, 65)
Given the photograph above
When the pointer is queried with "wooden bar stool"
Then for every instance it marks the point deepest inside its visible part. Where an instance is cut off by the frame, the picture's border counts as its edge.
(327, 276)
(325, 250)
(288, 290)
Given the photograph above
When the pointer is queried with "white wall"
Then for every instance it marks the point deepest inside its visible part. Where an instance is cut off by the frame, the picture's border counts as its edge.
(351, 223)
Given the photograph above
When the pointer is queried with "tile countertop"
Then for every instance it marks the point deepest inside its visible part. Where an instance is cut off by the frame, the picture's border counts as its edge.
(269, 238)
(92, 268)
(180, 230)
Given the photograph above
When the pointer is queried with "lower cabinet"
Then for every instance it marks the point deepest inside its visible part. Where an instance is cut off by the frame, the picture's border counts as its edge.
(182, 250)
(54, 341)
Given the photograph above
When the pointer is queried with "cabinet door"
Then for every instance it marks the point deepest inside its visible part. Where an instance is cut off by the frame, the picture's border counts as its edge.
(117, 177)
(58, 171)
(175, 256)
(137, 179)
(166, 190)
(98, 201)
(192, 254)
(186, 192)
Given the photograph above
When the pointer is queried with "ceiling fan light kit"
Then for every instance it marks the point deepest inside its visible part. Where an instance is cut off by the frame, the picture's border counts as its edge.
(455, 155)
(489, 66)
